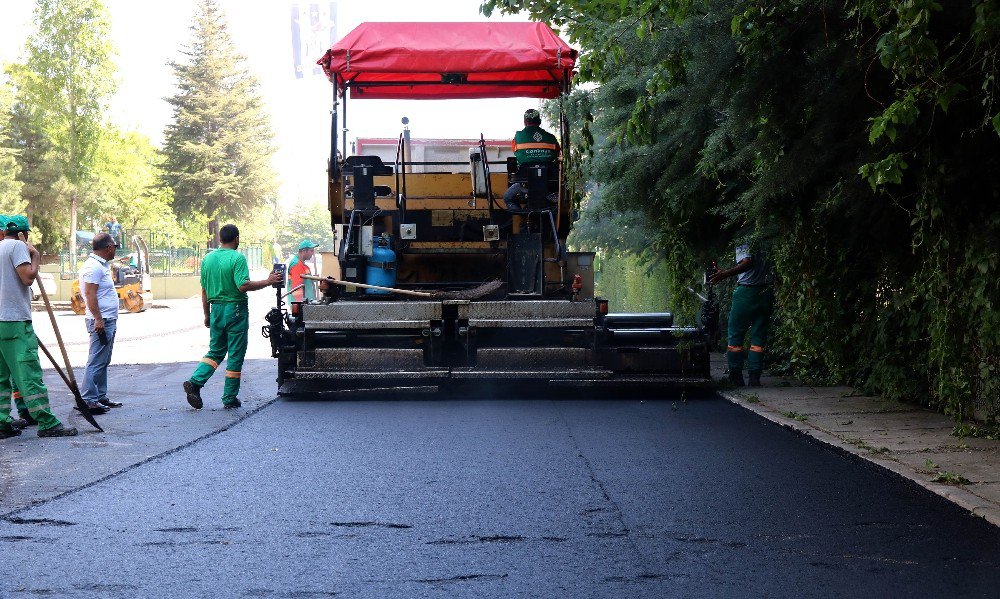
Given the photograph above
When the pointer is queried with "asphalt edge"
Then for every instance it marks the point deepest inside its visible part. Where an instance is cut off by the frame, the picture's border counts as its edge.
(40, 502)
(963, 498)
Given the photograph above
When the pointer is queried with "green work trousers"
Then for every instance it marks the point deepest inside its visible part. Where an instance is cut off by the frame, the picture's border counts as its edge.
(751, 311)
(229, 323)
(22, 408)
(20, 369)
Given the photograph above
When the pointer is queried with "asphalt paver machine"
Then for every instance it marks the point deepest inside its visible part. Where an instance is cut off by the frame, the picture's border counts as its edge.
(432, 281)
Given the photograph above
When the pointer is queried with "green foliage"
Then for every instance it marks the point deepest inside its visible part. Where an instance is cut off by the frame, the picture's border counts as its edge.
(10, 187)
(58, 113)
(950, 478)
(219, 145)
(795, 416)
(857, 139)
(126, 185)
(300, 222)
(71, 58)
(991, 432)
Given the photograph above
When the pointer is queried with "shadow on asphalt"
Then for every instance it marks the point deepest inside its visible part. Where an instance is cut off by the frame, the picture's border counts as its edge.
(314, 391)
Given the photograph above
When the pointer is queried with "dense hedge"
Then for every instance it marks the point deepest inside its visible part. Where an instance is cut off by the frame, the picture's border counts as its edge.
(859, 140)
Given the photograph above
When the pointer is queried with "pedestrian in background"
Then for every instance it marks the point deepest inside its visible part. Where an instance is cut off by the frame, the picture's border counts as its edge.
(101, 319)
(225, 281)
(18, 345)
(23, 419)
(753, 302)
(115, 230)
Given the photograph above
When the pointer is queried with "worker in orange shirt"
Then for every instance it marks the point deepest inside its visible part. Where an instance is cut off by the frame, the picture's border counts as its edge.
(296, 268)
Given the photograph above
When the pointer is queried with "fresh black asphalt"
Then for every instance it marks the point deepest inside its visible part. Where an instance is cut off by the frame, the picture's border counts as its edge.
(528, 497)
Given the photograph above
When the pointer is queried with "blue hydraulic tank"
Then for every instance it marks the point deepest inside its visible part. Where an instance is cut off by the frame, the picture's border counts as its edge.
(381, 269)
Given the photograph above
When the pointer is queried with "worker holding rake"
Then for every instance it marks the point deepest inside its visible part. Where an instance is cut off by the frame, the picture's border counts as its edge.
(18, 345)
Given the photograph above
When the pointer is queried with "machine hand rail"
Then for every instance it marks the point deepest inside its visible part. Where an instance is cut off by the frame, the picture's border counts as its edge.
(400, 172)
(486, 173)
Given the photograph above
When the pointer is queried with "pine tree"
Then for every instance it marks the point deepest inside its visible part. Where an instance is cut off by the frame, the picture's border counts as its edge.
(219, 145)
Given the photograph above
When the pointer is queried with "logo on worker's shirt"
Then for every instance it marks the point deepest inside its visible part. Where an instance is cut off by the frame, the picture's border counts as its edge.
(537, 136)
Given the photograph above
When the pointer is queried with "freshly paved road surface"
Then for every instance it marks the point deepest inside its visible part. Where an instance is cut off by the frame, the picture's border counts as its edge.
(500, 498)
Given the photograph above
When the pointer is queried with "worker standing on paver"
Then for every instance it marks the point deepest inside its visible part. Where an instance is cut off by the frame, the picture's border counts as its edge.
(18, 344)
(753, 302)
(225, 281)
(296, 268)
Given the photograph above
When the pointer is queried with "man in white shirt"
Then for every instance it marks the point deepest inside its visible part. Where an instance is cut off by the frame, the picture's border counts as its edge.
(101, 318)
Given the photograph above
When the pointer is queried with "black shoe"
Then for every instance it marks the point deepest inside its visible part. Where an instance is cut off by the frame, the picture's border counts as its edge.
(58, 431)
(107, 403)
(736, 378)
(95, 409)
(232, 406)
(193, 394)
(8, 432)
(755, 379)
(19, 423)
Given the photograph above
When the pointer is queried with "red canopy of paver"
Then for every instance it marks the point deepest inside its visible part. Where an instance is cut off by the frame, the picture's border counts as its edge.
(450, 60)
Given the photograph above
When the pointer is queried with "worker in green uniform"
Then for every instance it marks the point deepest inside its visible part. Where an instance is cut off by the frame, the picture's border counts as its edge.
(225, 281)
(753, 302)
(18, 345)
(531, 145)
(24, 419)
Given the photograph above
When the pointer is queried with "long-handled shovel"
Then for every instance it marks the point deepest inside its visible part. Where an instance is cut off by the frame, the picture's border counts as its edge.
(67, 376)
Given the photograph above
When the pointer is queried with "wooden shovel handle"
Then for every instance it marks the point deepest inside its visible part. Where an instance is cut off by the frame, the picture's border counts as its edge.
(55, 325)
(364, 286)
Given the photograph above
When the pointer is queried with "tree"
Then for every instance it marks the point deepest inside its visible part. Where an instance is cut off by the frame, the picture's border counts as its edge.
(305, 221)
(854, 138)
(10, 187)
(70, 60)
(127, 185)
(44, 189)
(218, 146)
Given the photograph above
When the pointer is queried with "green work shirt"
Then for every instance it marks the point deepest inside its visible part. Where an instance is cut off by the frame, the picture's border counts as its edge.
(533, 145)
(223, 271)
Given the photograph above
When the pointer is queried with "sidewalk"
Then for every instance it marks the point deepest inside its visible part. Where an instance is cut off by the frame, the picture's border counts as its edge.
(911, 441)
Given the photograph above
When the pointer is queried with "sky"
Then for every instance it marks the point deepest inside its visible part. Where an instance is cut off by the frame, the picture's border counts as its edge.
(150, 34)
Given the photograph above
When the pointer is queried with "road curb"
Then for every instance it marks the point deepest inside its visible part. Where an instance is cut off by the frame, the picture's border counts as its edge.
(963, 498)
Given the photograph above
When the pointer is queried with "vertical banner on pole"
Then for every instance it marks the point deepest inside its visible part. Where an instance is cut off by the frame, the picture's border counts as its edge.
(314, 30)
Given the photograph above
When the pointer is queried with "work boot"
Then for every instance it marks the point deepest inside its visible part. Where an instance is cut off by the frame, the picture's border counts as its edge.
(193, 394)
(736, 378)
(7, 432)
(19, 423)
(232, 405)
(754, 379)
(58, 431)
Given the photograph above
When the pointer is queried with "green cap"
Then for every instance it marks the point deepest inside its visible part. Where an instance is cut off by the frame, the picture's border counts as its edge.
(3, 220)
(17, 224)
(306, 244)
